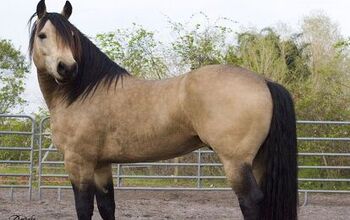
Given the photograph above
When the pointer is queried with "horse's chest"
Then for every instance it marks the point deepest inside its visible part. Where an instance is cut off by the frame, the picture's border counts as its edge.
(73, 135)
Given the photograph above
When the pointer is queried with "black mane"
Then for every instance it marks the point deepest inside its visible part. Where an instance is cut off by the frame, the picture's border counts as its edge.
(94, 66)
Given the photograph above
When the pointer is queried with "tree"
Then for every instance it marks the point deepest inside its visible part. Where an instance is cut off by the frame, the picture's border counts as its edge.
(197, 44)
(13, 69)
(279, 59)
(326, 93)
(136, 50)
(321, 34)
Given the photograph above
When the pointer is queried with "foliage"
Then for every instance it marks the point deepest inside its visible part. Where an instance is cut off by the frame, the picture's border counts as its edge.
(201, 44)
(15, 125)
(136, 50)
(266, 53)
(13, 69)
(326, 91)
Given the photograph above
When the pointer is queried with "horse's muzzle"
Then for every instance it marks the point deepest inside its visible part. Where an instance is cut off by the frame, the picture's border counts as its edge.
(67, 72)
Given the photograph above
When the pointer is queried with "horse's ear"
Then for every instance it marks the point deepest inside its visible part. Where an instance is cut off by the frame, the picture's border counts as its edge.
(67, 10)
(41, 9)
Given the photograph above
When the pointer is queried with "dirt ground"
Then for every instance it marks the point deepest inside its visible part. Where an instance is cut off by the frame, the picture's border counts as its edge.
(156, 205)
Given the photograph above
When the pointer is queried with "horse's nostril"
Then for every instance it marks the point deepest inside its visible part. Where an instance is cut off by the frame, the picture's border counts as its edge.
(61, 69)
(67, 71)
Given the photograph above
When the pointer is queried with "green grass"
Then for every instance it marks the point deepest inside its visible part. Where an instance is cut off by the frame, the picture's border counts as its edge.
(14, 180)
(8, 169)
(205, 183)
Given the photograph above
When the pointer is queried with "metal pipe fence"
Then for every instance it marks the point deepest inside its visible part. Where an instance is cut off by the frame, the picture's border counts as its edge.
(7, 171)
(201, 169)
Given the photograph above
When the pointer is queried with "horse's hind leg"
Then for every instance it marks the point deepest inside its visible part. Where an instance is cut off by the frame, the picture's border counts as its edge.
(244, 184)
(104, 191)
(237, 154)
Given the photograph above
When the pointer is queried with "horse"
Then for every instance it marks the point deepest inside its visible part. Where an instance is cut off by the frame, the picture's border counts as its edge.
(101, 114)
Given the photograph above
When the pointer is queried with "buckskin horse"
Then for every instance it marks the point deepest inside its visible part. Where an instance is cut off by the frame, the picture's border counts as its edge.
(101, 114)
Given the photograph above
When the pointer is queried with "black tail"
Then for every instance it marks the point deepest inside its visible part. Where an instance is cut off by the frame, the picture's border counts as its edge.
(280, 184)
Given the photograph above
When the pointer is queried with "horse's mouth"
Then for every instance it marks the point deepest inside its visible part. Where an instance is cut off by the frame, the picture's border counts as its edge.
(61, 82)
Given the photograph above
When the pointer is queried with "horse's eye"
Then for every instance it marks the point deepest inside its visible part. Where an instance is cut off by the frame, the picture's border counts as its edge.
(42, 36)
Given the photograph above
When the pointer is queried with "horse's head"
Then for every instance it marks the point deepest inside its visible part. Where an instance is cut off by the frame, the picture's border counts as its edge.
(54, 44)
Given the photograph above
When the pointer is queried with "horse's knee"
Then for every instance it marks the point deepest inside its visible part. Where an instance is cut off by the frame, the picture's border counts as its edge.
(102, 175)
(79, 169)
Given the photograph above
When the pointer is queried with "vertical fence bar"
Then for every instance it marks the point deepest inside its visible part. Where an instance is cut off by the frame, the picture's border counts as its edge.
(11, 193)
(31, 158)
(199, 166)
(59, 194)
(39, 164)
(40, 153)
(305, 198)
(176, 169)
(118, 175)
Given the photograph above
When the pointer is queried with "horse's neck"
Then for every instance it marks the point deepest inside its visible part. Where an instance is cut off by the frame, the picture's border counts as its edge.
(48, 87)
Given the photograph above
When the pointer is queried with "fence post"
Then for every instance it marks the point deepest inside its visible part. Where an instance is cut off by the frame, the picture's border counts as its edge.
(41, 133)
(118, 175)
(31, 158)
(176, 170)
(199, 166)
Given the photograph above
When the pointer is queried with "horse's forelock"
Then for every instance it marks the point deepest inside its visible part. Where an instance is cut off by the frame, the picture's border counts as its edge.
(32, 29)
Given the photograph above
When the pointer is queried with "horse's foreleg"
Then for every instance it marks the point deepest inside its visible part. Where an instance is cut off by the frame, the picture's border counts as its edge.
(81, 175)
(104, 191)
(84, 200)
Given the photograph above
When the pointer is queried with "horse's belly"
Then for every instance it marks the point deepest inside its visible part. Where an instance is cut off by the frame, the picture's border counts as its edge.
(151, 150)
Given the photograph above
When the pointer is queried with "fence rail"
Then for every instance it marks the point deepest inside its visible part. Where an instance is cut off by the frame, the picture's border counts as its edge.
(50, 172)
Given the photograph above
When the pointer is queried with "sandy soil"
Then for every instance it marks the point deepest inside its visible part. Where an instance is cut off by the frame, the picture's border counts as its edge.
(164, 205)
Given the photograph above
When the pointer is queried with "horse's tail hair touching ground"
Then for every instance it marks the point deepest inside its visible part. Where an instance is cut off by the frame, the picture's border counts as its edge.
(280, 184)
